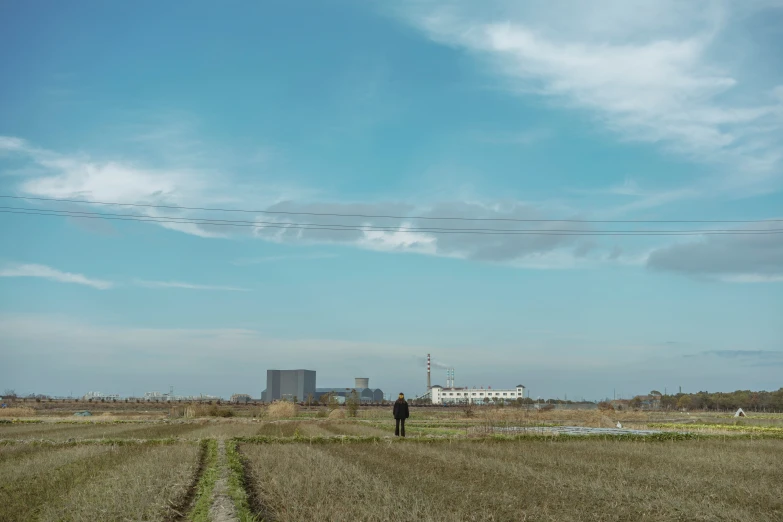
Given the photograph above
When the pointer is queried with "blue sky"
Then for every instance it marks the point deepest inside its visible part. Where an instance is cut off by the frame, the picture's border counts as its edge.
(613, 111)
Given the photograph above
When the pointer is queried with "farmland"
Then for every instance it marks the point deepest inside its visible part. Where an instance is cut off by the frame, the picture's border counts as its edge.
(451, 467)
(95, 482)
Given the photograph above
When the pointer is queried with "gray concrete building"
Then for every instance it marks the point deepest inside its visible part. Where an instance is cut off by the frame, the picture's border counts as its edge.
(289, 384)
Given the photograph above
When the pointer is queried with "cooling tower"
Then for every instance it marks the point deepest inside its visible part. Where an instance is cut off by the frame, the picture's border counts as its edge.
(362, 383)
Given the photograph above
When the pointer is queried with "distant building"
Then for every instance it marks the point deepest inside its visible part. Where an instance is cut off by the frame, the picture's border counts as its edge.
(98, 396)
(241, 398)
(620, 404)
(362, 387)
(441, 395)
(289, 385)
(339, 394)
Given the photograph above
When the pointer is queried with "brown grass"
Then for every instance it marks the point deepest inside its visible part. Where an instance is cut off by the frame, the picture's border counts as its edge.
(531, 480)
(63, 432)
(134, 482)
(17, 412)
(337, 414)
(282, 410)
(143, 487)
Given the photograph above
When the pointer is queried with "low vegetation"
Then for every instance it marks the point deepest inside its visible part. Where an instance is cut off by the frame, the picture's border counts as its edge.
(95, 482)
(717, 427)
(529, 480)
(95, 430)
(299, 466)
(237, 486)
(282, 410)
(206, 484)
(17, 412)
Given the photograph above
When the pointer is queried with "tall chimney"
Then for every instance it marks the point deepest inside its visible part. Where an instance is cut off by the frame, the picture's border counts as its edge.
(429, 386)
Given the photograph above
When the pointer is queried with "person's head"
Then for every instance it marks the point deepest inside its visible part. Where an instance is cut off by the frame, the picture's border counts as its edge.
(401, 397)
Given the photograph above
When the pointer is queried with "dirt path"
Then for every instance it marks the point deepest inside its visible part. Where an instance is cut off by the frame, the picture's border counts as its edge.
(222, 509)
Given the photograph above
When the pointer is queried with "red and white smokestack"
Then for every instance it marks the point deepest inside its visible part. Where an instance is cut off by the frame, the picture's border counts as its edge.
(429, 386)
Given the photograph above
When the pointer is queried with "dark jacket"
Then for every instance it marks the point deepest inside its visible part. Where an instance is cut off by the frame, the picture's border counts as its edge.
(401, 409)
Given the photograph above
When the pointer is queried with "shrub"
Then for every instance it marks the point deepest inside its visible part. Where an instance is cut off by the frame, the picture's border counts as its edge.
(353, 403)
(606, 406)
(337, 414)
(322, 413)
(282, 409)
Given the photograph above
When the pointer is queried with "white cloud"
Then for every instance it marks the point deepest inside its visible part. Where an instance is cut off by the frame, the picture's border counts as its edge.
(647, 71)
(80, 177)
(46, 272)
(10, 144)
(188, 286)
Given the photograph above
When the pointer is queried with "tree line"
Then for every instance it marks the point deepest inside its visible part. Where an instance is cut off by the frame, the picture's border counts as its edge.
(703, 400)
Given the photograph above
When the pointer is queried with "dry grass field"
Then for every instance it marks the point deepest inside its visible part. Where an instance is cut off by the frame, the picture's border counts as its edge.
(81, 483)
(84, 430)
(527, 480)
(452, 467)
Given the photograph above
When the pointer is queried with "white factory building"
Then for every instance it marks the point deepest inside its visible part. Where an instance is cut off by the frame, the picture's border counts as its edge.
(442, 395)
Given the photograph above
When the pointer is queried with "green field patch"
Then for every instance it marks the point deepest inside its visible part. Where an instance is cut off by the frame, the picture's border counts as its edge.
(206, 484)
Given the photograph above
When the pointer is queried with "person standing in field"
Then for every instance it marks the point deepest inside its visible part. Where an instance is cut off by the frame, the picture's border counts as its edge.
(400, 414)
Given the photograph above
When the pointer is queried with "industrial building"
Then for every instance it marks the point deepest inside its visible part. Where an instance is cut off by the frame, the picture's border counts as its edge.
(241, 398)
(362, 387)
(452, 395)
(441, 395)
(290, 385)
(100, 396)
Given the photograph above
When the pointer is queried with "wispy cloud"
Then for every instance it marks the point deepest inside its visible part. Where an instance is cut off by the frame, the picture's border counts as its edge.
(52, 274)
(81, 177)
(245, 261)
(187, 286)
(648, 73)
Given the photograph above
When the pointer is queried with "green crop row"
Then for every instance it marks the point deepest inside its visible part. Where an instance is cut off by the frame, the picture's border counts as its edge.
(722, 427)
(237, 488)
(206, 483)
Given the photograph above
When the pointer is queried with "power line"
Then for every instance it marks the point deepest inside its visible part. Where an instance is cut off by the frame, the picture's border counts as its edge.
(374, 229)
(76, 213)
(382, 216)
